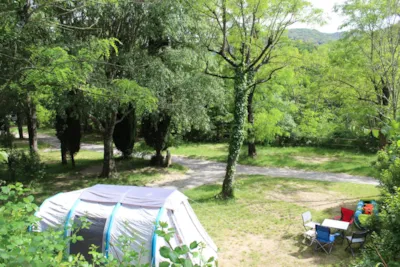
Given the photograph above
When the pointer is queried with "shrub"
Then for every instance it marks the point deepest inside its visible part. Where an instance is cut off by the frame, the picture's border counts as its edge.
(24, 167)
(6, 139)
(384, 245)
(388, 164)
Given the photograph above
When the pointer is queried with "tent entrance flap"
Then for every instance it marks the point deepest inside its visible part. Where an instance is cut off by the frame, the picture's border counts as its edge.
(91, 236)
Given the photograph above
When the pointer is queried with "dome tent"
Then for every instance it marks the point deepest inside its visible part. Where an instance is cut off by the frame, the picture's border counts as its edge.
(129, 211)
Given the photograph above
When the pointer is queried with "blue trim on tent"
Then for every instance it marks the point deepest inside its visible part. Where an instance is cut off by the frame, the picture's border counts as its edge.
(41, 205)
(71, 211)
(109, 226)
(154, 239)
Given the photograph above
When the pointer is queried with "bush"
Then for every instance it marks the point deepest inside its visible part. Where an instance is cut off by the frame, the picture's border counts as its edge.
(388, 164)
(384, 245)
(6, 139)
(24, 167)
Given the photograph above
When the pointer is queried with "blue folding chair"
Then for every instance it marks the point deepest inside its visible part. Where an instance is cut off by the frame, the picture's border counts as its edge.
(324, 238)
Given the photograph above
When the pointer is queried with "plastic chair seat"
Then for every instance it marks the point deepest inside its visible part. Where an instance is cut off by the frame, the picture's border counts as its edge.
(310, 233)
(311, 224)
(355, 240)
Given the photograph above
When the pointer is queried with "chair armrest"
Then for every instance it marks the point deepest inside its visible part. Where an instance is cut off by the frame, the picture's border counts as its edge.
(337, 217)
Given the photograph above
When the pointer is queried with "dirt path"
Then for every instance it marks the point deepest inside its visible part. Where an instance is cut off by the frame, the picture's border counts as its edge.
(209, 172)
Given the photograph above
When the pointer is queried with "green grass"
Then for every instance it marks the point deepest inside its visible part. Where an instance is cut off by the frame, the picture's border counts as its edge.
(92, 138)
(46, 131)
(307, 158)
(264, 225)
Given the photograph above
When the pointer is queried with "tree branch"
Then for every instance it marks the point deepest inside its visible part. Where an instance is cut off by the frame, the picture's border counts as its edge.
(223, 56)
(261, 55)
(217, 75)
(97, 122)
(124, 115)
(266, 79)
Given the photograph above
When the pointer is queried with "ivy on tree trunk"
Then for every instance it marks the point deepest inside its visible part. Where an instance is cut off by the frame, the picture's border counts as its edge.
(237, 134)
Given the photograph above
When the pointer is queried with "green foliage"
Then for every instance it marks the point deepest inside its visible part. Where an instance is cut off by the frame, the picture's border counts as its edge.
(18, 247)
(45, 116)
(384, 246)
(181, 256)
(6, 139)
(388, 161)
(24, 167)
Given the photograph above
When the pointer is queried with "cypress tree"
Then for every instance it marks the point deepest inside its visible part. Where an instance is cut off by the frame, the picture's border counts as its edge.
(125, 133)
(155, 130)
(68, 129)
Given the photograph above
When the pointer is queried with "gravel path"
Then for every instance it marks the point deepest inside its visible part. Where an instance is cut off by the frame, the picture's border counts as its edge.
(209, 172)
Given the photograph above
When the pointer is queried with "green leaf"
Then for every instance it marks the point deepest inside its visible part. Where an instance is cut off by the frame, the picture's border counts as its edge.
(367, 131)
(187, 263)
(164, 264)
(164, 251)
(173, 256)
(375, 133)
(3, 156)
(194, 245)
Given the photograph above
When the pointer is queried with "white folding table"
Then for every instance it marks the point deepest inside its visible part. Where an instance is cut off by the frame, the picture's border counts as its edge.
(340, 225)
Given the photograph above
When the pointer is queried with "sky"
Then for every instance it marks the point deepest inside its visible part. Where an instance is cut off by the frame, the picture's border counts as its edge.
(333, 21)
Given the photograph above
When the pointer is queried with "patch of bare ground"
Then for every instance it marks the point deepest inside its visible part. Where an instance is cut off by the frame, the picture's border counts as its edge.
(258, 250)
(306, 197)
(168, 177)
(314, 160)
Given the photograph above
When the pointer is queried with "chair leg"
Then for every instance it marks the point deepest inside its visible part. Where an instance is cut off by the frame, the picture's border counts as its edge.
(351, 249)
(330, 249)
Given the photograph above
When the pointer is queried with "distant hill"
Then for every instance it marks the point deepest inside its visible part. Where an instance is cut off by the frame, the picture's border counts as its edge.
(313, 36)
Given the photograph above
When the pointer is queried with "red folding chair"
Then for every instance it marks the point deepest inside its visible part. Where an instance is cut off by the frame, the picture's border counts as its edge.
(346, 216)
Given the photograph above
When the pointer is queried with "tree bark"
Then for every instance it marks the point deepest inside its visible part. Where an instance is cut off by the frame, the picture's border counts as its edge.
(237, 134)
(108, 160)
(251, 138)
(32, 125)
(63, 154)
(20, 125)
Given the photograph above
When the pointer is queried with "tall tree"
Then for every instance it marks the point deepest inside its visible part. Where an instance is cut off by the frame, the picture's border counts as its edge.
(374, 31)
(173, 70)
(245, 34)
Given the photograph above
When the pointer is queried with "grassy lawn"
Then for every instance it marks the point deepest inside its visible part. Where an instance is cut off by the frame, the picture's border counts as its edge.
(263, 226)
(308, 158)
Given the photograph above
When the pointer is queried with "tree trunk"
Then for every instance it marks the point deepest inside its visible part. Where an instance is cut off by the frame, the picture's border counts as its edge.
(72, 160)
(108, 160)
(237, 134)
(63, 153)
(20, 125)
(251, 138)
(32, 125)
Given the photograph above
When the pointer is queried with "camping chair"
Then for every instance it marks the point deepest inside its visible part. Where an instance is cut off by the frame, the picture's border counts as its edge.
(356, 238)
(309, 225)
(347, 215)
(307, 221)
(324, 238)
